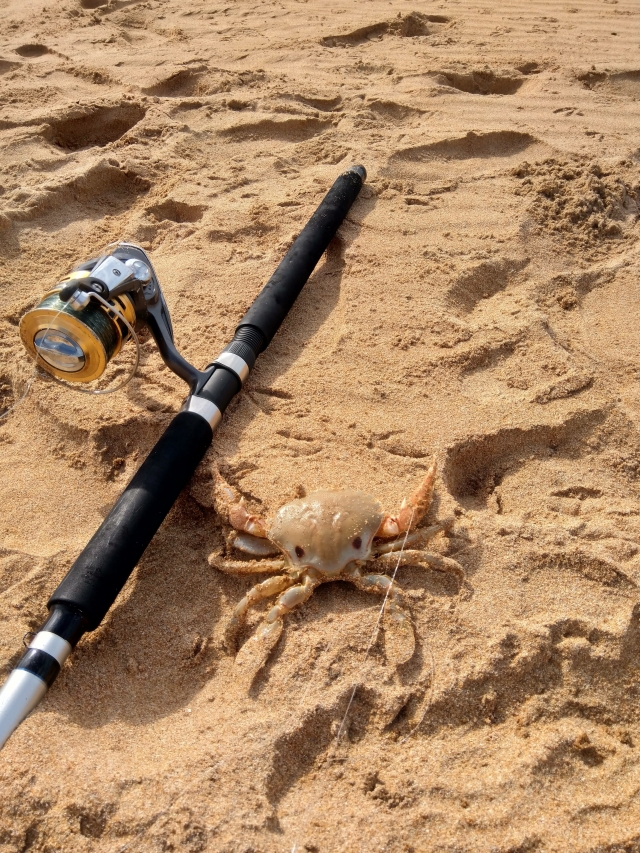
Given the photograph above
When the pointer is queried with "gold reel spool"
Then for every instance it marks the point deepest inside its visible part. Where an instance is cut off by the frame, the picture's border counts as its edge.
(75, 346)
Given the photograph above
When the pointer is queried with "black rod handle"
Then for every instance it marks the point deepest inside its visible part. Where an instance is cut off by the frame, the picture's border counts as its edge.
(274, 301)
(93, 582)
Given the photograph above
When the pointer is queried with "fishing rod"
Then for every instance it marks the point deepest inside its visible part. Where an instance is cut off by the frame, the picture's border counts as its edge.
(73, 333)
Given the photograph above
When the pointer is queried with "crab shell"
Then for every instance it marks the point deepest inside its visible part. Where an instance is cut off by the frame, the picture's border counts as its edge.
(327, 529)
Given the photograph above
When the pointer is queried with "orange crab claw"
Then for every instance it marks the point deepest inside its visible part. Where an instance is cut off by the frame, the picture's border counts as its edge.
(245, 521)
(230, 505)
(412, 511)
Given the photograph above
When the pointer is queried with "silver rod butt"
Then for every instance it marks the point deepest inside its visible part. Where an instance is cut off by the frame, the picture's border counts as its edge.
(21, 692)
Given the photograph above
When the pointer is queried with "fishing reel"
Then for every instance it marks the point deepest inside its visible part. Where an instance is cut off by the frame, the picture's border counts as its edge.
(83, 322)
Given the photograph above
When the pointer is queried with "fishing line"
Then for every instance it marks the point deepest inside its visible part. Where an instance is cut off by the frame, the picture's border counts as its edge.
(88, 591)
(192, 786)
(21, 399)
(431, 691)
(427, 704)
(374, 634)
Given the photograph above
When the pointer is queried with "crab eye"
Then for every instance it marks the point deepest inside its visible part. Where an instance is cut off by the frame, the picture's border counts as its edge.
(299, 551)
(357, 542)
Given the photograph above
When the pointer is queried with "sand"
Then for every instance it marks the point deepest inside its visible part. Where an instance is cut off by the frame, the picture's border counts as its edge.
(480, 304)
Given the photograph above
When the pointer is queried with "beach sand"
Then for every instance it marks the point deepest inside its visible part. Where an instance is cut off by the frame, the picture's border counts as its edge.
(480, 303)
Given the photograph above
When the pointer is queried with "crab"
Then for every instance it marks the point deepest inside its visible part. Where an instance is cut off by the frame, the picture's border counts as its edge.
(328, 535)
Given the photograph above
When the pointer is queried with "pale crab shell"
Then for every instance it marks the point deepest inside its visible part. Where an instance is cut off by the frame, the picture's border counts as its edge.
(324, 526)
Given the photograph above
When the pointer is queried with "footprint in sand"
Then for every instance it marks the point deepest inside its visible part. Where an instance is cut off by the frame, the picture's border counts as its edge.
(500, 143)
(103, 188)
(483, 281)
(32, 51)
(93, 125)
(324, 105)
(181, 83)
(177, 211)
(393, 111)
(482, 81)
(194, 78)
(626, 83)
(284, 130)
(464, 155)
(405, 26)
(475, 465)
(6, 65)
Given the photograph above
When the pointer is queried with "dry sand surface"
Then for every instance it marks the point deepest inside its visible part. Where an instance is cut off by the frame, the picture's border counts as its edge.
(479, 303)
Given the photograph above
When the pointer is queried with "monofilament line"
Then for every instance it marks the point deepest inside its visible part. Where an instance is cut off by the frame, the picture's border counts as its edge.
(191, 786)
(372, 639)
(432, 678)
(20, 399)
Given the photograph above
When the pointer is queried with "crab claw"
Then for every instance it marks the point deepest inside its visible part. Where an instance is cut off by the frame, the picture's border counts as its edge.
(228, 504)
(246, 521)
(253, 655)
(412, 511)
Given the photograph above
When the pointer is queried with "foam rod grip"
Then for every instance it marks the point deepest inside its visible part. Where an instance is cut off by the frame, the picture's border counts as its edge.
(278, 295)
(97, 576)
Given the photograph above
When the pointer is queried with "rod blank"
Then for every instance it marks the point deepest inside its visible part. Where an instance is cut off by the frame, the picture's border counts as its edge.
(278, 295)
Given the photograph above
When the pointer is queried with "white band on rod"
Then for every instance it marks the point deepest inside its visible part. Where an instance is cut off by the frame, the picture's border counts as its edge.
(205, 408)
(52, 644)
(234, 362)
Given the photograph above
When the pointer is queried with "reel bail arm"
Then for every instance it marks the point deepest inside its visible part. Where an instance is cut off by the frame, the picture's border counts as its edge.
(93, 582)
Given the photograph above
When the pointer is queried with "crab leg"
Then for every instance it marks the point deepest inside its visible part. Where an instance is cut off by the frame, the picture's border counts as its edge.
(293, 597)
(420, 558)
(412, 511)
(399, 637)
(253, 545)
(416, 538)
(253, 655)
(272, 586)
(244, 567)
(230, 505)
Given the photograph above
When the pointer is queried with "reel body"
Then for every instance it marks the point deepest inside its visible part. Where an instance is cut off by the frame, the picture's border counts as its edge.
(85, 320)
(75, 345)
